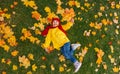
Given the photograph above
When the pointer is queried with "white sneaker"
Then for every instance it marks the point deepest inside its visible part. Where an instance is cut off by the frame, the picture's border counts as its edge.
(75, 46)
(77, 66)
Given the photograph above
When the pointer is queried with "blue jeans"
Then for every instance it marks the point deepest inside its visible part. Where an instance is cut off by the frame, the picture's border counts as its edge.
(67, 51)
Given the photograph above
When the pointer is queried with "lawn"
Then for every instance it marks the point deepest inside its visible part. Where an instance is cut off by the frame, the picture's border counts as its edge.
(96, 28)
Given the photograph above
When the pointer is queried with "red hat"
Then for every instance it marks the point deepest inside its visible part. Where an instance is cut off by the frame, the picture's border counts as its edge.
(57, 19)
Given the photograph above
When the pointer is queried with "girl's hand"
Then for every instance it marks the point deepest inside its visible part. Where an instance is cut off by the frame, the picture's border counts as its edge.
(47, 50)
(72, 20)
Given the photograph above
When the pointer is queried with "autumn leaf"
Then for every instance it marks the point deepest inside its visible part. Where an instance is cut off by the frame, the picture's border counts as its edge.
(61, 58)
(12, 41)
(29, 72)
(3, 60)
(32, 39)
(2, 42)
(52, 67)
(115, 69)
(61, 69)
(92, 24)
(47, 9)
(15, 67)
(34, 67)
(105, 66)
(68, 14)
(100, 54)
(43, 66)
(31, 56)
(3, 72)
(8, 61)
(36, 15)
(6, 48)
(102, 8)
(29, 3)
(59, 2)
(37, 32)
(24, 61)
(14, 53)
(60, 10)
(43, 58)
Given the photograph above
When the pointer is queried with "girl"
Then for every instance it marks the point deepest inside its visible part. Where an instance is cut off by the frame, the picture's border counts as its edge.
(56, 34)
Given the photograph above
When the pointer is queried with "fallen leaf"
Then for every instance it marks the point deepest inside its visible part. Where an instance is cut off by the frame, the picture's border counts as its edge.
(14, 53)
(52, 67)
(34, 67)
(61, 58)
(115, 69)
(15, 67)
(31, 56)
(61, 69)
(43, 66)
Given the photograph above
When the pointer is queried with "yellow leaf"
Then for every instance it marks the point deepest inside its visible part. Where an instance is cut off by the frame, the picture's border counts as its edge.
(29, 72)
(14, 53)
(6, 47)
(68, 70)
(61, 69)
(62, 58)
(24, 61)
(58, 2)
(15, 67)
(112, 49)
(2, 42)
(77, 4)
(52, 67)
(7, 16)
(36, 15)
(34, 67)
(43, 66)
(47, 9)
(87, 5)
(92, 24)
(116, 31)
(41, 26)
(8, 61)
(115, 69)
(105, 66)
(3, 72)
(32, 39)
(102, 8)
(3, 60)
(104, 21)
(71, 3)
(12, 41)
(96, 49)
(93, 33)
(31, 56)
(99, 61)
(81, 58)
(22, 38)
(60, 10)
(32, 4)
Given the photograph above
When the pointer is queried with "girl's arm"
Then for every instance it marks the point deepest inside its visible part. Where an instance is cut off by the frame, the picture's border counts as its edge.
(68, 25)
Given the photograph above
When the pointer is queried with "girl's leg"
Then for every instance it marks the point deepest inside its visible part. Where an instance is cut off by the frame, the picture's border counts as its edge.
(67, 52)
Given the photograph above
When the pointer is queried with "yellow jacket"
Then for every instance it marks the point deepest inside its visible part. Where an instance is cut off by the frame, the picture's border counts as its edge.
(57, 37)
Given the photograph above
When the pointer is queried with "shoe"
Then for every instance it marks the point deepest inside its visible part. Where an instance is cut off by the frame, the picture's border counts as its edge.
(75, 46)
(77, 66)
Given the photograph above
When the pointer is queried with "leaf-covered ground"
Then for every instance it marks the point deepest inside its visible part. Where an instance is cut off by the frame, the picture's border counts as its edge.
(96, 28)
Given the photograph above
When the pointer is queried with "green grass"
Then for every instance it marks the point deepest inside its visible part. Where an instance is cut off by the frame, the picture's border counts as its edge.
(23, 19)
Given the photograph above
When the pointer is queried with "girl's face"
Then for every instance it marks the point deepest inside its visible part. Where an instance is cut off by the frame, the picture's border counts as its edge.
(55, 23)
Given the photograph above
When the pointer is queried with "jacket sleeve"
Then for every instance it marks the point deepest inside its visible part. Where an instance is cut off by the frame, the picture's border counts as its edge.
(47, 42)
(67, 26)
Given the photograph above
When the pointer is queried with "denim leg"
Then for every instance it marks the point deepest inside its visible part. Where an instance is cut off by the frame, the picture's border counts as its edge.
(71, 50)
(67, 52)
